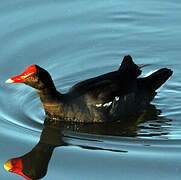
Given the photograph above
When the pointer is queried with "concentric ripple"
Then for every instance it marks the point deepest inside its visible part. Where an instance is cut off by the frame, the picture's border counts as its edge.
(76, 40)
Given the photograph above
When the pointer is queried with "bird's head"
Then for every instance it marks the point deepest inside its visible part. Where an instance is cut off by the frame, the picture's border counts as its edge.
(34, 76)
(15, 165)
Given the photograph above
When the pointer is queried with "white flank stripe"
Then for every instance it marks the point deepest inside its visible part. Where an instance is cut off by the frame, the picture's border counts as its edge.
(107, 104)
(98, 105)
(117, 98)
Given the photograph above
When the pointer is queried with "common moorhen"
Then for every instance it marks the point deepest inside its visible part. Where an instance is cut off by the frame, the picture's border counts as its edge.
(108, 97)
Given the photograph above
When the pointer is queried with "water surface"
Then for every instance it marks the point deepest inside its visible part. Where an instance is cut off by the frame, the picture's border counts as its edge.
(76, 40)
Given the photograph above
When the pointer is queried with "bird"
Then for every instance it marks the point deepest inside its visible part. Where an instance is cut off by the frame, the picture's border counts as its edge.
(34, 164)
(113, 96)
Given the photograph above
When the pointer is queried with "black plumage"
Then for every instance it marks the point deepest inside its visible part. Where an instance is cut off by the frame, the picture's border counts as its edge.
(109, 97)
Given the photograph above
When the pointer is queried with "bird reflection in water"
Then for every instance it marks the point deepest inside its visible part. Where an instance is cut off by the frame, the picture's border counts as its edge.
(34, 164)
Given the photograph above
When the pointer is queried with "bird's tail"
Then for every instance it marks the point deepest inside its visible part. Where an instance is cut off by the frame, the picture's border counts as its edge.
(128, 68)
(156, 79)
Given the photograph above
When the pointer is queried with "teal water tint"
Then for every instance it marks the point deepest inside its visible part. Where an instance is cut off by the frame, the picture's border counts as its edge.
(76, 40)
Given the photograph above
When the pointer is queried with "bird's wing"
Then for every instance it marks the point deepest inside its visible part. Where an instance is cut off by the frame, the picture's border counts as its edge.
(101, 91)
(93, 82)
(105, 87)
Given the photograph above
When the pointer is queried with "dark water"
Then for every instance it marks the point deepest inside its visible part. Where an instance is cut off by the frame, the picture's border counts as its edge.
(76, 40)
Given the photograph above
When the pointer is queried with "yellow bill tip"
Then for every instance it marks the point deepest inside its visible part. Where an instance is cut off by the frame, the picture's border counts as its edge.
(8, 165)
(9, 81)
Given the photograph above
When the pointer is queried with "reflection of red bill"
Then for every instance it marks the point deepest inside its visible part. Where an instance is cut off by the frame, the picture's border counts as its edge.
(21, 78)
(15, 165)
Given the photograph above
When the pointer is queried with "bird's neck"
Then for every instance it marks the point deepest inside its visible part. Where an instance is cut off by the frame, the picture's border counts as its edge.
(35, 162)
(51, 100)
(48, 95)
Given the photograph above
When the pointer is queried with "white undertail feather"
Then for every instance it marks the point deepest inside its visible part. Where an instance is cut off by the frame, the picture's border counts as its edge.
(151, 72)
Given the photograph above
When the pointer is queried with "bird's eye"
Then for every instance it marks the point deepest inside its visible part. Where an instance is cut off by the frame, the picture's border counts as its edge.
(32, 78)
